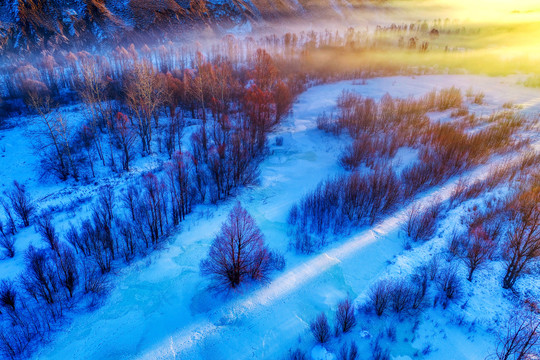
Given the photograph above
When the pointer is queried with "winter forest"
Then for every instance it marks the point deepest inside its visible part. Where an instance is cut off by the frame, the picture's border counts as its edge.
(256, 179)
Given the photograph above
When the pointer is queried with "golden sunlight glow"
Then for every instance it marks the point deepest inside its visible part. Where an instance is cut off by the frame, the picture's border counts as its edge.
(494, 11)
(505, 28)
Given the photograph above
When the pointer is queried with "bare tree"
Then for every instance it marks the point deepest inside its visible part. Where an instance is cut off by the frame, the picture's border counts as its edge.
(8, 243)
(178, 174)
(39, 278)
(66, 265)
(125, 137)
(478, 250)
(520, 339)
(345, 318)
(523, 243)
(320, 328)
(379, 295)
(144, 96)
(51, 139)
(449, 285)
(21, 202)
(153, 206)
(93, 91)
(238, 251)
(47, 231)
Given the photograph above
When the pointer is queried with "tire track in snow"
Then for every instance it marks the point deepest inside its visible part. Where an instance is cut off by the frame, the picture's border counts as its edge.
(302, 274)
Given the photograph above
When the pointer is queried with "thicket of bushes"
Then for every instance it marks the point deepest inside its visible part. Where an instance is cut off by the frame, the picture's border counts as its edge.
(379, 130)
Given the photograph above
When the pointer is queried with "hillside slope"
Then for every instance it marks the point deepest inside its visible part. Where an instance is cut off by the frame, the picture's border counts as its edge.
(27, 25)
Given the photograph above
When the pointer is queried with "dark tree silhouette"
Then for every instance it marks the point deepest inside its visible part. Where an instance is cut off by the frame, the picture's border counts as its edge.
(238, 252)
(345, 318)
(379, 296)
(320, 328)
(21, 203)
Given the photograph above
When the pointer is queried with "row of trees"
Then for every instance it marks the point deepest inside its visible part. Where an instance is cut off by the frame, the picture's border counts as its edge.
(234, 116)
(60, 72)
(509, 231)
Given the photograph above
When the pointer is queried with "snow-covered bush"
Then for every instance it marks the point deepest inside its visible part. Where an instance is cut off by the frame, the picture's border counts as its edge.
(401, 295)
(367, 149)
(328, 123)
(421, 224)
(7, 242)
(276, 260)
(297, 355)
(320, 329)
(345, 317)
(378, 352)
(348, 351)
(379, 296)
(449, 285)
(21, 203)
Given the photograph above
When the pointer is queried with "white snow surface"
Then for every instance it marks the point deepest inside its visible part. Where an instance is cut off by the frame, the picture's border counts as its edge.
(160, 307)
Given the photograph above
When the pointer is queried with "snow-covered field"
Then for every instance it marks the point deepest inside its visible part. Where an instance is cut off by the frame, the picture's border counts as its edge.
(160, 306)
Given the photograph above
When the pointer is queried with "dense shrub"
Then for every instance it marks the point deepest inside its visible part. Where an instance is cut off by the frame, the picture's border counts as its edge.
(345, 318)
(339, 203)
(297, 355)
(320, 328)
(379, 296)
(348, 351)
(421, 223)
(449, 285)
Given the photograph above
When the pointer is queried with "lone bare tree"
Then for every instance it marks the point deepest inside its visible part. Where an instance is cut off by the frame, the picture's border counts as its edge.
(238, 252)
